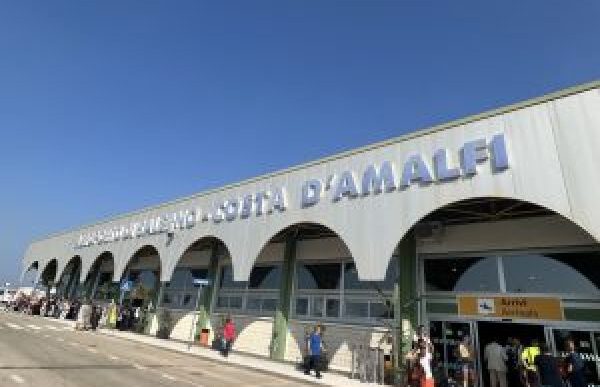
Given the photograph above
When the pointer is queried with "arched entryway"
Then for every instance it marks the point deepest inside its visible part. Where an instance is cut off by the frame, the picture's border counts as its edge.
(99, 285)
(462, 264)
(48, 274)
(187, 297)
(140, 283)
(67, 285)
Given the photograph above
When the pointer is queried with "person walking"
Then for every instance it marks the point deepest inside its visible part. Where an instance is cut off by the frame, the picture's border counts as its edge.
(528, 356)
(228, 336)
(547, 368)
(574, 366)
(315, 346)
(425, 357)
(467, 361)
(495, 357)
(514, 349)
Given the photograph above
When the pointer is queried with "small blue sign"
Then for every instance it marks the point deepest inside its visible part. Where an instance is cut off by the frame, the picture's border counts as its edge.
(126, 286)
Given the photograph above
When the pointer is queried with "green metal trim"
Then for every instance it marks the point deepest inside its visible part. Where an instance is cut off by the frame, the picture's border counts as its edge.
(418, 133)
(445, 308)
(283, 312)
(581, 314)
(205, 307)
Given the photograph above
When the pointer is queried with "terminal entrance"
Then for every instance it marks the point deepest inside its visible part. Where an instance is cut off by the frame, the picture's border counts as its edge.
(447, 335)
(503, 333)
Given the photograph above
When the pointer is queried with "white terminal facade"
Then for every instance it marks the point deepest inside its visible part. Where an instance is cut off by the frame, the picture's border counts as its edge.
(483, 226)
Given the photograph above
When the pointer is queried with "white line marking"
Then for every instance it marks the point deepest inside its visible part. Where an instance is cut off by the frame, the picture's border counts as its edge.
(112, 357)
(60, 339)
(17, 379)
(34, 327)
(51, 327)
(13, 326)
(67, 328)
(138, 366)
(92, 350)
(73, 343)
(167, 376)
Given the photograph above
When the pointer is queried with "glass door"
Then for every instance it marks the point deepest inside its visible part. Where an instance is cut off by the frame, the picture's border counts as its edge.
(446, 336)
(586, 343)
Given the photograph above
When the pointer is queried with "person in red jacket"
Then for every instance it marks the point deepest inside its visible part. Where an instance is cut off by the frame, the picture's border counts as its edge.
(228, 336)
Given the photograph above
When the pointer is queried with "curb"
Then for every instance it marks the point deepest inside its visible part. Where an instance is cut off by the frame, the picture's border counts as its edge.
(106, 332)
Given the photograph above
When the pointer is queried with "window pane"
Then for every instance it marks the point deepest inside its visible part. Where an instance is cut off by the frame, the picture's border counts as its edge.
(301, 306)
(235, 302)
(380, 310)
(227, 279)
(357, 308)
(269, 304)
(253, 303)
(317, 307)
(167, 299)
(473, 274)
(352, 282)
(552, 273)
(223, 302)
(265, 277)
(320, 276)
(189, 301)
(179, 279)
(333, 308)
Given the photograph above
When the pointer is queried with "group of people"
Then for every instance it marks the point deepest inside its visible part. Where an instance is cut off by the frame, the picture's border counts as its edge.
(533, 365)
(513, 365)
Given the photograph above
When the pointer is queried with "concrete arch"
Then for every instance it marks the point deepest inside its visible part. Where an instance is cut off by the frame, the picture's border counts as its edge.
(62, 266)
(45, 275)
(124, 258)
(89, 263)
(390, 245)
(119, 270)
(242, 266)
(181, 249)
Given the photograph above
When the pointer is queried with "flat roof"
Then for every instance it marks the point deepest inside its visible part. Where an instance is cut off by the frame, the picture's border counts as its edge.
(404, 137)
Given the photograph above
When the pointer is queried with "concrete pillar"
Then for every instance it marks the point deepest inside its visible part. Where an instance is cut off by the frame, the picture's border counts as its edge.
(283, 312)
(405, 298)
(207, 294)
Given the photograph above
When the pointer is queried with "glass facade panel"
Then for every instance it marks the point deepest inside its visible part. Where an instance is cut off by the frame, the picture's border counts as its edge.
(301, 306)
(269, 304)
(333, 307)
(265, 277)
(253, 303)
(380, 310)
(470, 274)
(576, 273)
(352, 282)
(356, 308)
(319, 276)
(227, 281)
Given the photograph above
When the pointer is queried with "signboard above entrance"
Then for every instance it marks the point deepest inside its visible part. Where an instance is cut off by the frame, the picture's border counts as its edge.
(529, 308)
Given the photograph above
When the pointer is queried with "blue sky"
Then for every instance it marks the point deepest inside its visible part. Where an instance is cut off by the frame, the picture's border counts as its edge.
(110, 106)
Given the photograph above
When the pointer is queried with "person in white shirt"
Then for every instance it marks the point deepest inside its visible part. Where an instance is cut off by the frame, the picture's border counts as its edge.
(495, 356)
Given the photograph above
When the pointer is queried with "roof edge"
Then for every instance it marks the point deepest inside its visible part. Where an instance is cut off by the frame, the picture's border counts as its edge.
(580, 88)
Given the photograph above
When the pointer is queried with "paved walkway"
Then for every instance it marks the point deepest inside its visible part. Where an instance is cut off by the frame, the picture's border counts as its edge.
(247, 361)
(256, 363)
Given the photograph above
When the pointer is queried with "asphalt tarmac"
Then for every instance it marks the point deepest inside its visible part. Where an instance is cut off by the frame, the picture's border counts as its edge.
(45, 353)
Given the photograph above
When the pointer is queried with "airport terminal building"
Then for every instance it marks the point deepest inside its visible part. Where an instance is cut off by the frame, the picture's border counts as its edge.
(484, 226)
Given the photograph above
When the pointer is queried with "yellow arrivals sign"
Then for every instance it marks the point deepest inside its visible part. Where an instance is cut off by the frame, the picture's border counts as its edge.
(536, 308)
